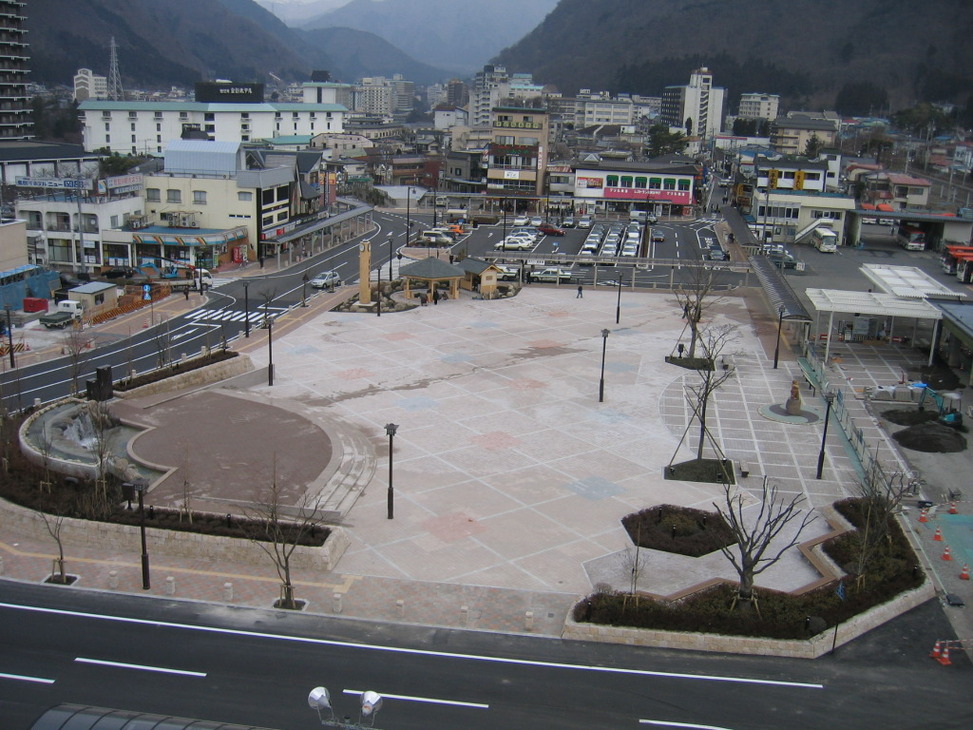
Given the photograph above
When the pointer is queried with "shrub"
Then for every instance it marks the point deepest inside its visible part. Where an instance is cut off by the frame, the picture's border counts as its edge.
(680, 530)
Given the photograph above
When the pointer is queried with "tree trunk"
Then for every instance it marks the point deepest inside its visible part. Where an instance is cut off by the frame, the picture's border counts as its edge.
(702, 424)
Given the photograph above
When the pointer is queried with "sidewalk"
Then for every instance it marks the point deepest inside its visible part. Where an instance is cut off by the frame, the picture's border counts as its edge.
(510, 477)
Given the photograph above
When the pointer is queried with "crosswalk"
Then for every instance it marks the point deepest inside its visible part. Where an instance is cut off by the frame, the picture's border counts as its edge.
(233, 315)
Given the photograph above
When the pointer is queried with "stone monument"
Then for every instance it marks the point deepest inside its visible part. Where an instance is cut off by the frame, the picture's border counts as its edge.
(793, 404)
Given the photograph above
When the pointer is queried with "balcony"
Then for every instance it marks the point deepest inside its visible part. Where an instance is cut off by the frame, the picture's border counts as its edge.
(518, 125)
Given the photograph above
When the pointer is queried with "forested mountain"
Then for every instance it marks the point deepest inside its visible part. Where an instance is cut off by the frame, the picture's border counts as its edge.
(805, 50)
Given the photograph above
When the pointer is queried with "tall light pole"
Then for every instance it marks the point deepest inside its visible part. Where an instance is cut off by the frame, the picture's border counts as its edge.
(270, 349)
(829, 399)
(304, 289)
(139, 486)
(780, 324)
(618, 306)
(246, 309)
(390, 429)
(408, 216)
(391, 256)
(604, 348)
(378, 288)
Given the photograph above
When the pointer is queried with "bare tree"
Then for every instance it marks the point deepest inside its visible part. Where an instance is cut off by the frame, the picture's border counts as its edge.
(76, 345)
(54, 523)
(695, 295)
(634, 565)
(278, 531)
(163, 343)
(881, 494)
(712, 342)
(760, 541)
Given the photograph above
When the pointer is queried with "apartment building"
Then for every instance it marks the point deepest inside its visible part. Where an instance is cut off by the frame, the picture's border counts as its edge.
(518, 150)
(89, 85)
(699, 103)
(791, 134)
(15, 119)
(758, 106)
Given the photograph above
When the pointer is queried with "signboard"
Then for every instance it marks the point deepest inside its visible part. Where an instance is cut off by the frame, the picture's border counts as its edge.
(120, 184)
(677, 197)
(589, 182)
(53, 182)
(221, 91)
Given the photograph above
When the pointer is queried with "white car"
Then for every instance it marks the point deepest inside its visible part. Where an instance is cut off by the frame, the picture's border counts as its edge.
(508, 272)
(329, 279)
(515, 244)
(552, 275)
(536, 221)
(521, 220)
(585, 221)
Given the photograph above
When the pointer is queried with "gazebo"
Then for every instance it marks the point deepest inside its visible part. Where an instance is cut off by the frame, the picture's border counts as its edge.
(432, 272)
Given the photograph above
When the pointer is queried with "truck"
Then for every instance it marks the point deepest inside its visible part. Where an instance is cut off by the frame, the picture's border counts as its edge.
(551, 275)
(64, 313)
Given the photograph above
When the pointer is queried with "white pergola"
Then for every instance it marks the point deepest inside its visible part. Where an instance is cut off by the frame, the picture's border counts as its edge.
(873, 304)
(908, 282)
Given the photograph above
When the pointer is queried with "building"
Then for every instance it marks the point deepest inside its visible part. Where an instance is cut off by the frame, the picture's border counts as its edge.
(791, 134)
(517, 153)
(32, 159)
(13, 246)
(789, 216)
(896, 189)
(790, 173)
(89, 85)
(375, 96)
(147, 127)
(696, 107)
(664, 186)
(457, 93)
(490, 87)
(758, 106)
(15, 119)
(464, 171)
(342, 145)
(601, 108)
(446, 116)
(329, 92)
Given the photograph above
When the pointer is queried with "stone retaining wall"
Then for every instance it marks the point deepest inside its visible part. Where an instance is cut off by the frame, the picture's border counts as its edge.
(811, 648)
(194, 378)
(169, 543)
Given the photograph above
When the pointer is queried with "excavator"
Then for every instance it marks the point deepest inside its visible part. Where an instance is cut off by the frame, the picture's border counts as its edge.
(948, 404)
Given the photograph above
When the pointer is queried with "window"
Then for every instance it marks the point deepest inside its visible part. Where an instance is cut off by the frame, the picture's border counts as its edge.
(107, 127)
(133, 127)
(199, 197)
(158, 138)
(184, 115)
(158, 115)
(641, 182)
(527, 141)
(611, 181)
(626, 181)
(210, 127)
(267, 196)
(158, 127)
(268, 221)
(655, 183)
(133, 139)
(244, 115)
(173, 196)
(283, 193)
(209, 117)
(685, 185)
(504, 139)
(281, 217)
(114, 221)
(107, 138)
(669, 183)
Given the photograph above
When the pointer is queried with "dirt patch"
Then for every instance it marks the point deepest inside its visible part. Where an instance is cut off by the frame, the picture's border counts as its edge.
(909, 416)
(933, 438)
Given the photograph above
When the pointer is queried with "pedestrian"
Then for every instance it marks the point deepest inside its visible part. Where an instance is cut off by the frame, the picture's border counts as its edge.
(185, 291)
(435, 296)
(422, 299)
(580, 292)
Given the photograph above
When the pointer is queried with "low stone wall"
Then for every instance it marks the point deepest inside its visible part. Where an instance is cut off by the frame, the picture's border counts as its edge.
(169, 543)
(811, 648)
(194, 378)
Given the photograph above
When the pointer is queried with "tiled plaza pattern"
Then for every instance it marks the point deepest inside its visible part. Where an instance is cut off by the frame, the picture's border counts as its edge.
(510, 477)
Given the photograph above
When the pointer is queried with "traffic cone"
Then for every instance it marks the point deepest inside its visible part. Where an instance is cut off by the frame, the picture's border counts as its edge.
(964, 574)
(938, 536)
(952, 508)
(936, 650)
(145, 324)
(946, 554)
(944, 657)
(923, 516)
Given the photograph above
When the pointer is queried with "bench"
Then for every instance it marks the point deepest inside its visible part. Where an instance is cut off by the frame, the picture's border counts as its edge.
(744, 469)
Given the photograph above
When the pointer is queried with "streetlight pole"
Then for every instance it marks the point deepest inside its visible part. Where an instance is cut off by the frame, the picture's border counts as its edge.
(10, 336)
(601, 383)
(618, 306)
(829, 399)
(378, 287)
(780, 324)
(246, 309)
(390, 429)
(304, 289)
(408, 216)
(270, 349)
(140, 486)
(391, 256)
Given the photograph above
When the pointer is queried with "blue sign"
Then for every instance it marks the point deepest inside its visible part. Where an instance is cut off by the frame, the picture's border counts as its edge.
(146, 292)
(840, 590)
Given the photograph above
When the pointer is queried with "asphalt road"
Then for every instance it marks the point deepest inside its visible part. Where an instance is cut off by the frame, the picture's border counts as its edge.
(252, 666)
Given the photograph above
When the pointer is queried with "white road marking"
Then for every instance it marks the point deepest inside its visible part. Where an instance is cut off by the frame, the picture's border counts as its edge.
(427, 700)
(142, 667)
(25, 678)
(414, 652)
(664, 723)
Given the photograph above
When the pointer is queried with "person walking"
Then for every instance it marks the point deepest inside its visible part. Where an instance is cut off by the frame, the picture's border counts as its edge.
(435, 296)
(580, 292)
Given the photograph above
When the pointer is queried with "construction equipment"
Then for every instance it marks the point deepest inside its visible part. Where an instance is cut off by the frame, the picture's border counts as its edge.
(948, 404)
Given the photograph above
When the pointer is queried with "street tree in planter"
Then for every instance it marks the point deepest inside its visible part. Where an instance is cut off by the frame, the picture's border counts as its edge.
(694, 296)
(881, 492)
(760, 536)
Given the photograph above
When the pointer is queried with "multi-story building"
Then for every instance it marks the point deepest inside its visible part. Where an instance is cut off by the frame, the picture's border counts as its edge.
(403, 96)
(89, 85)
(789, 216)
(790, 173)
(665, 186)
(602, 108)
(147, 127)
(791, 134)
(464, 171)
(896, 189)
(43, 159)
(758, 106)
(698, 105)
(329, 92)
(15, 119)
(490, 86)
(517, 154)
(457, 93)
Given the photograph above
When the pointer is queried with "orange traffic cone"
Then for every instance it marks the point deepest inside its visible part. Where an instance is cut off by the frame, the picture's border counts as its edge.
(145, 324)
(946, 554)
(944, 657)
(923, 516)
(952, 508)
(936, 650)
(938, 536)
(964, 574)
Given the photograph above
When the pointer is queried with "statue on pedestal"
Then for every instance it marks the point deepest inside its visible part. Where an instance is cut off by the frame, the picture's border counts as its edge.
(793, 404)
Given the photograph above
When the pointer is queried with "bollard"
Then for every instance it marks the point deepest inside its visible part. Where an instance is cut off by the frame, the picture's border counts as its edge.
(464, 612)
(400, 608)
(227, 592)
(113, 580)
(37, 402)
(170, 586)
(336, 603)
(529, 621)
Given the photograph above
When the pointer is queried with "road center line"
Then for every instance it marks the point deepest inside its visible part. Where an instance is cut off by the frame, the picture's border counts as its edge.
(142, 667)
(25, 678)
(427, 700)
(693, 726)
(414, 652)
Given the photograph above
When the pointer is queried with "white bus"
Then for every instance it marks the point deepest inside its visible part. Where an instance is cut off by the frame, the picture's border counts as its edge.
(824, 240)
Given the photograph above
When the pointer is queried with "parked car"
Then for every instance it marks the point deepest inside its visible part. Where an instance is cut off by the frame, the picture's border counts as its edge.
(715, 252)
(585, 221)
(521, 220)
(515, 243)
(508, 272)
(552, 275)
(568, 222)
(549, 230)
(326, 279)
(536, 221)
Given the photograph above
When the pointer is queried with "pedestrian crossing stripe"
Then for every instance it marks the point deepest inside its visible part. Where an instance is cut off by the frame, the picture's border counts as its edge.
(230, 315)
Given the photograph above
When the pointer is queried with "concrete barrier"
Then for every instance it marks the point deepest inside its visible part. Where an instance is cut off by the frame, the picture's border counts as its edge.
(197, 378)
